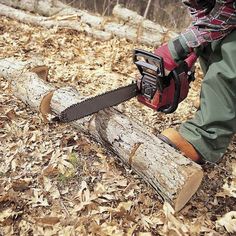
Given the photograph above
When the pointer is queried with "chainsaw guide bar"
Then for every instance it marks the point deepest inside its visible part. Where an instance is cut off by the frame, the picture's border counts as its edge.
(97, 103)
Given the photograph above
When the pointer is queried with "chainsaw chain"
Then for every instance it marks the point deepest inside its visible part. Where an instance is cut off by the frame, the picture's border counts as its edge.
(69, 114)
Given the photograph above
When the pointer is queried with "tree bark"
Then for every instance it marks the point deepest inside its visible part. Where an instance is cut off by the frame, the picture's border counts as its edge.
(28, 82)
(134, 34)
(173, 176)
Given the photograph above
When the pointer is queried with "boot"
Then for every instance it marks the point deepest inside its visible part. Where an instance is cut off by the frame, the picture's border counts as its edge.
(174, 139)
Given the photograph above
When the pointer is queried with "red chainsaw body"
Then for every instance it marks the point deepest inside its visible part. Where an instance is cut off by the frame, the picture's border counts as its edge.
(166, 97)
(158, 91)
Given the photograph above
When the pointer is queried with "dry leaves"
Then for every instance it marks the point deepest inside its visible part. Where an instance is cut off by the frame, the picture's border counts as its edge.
(54, 181)
(228, 221)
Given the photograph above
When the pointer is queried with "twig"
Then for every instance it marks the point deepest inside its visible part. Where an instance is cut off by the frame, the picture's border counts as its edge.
(62, 203)
(108, 5)
(147, 8)
(95, 5)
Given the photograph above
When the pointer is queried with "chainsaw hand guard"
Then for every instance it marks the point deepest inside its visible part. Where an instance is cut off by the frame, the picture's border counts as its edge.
(150, 67)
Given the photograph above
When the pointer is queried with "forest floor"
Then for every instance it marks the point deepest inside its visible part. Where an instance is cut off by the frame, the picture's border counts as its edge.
(56, 181)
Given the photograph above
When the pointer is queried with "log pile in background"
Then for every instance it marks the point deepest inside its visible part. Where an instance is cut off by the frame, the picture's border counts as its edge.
(53, 13)
(173, 176)
(67, 21)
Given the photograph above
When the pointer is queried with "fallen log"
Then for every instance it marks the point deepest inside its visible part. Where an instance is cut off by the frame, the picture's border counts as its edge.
(54, 9)
(134, 28)
(173, 176)
(134, 34)
(134, 19)
(27, 82)
(71, 23)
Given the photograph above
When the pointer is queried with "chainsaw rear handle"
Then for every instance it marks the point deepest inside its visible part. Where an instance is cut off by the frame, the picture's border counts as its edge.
(184, 67)
(176, 74)
(170, 109)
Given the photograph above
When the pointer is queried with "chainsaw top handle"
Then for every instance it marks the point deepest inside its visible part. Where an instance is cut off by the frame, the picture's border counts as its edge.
(148, 63)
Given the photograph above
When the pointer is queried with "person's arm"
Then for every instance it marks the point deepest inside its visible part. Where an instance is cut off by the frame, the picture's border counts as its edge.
(212, 20)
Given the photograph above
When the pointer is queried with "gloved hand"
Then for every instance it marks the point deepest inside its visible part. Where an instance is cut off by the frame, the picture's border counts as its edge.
(164, 52)
(169, 63)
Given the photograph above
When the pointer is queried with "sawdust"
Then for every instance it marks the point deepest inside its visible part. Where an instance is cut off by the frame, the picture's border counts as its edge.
(54, 181)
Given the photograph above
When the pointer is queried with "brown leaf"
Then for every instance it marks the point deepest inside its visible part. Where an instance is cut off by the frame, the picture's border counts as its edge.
(20, 185)
(8, 197)
(11, 114)
(48, 220)
(51, 171)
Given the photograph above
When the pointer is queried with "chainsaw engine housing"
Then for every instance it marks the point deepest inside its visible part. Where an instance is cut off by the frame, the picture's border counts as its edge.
(158, 91)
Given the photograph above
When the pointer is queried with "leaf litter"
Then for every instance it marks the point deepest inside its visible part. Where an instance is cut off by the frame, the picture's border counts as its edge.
(56, 181)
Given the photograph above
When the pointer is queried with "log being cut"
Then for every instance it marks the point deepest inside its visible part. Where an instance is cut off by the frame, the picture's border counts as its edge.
(174, 177)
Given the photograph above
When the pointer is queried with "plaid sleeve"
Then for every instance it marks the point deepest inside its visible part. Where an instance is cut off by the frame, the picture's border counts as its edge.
(210, 22)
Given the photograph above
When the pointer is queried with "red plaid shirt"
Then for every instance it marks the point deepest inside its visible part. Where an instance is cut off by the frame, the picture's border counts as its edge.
(212, 20)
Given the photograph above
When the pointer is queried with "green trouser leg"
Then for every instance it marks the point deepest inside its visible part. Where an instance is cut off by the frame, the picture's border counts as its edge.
(214, 124)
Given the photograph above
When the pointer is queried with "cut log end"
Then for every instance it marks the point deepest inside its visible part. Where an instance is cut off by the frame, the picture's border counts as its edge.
(189, 189)
(45, 107)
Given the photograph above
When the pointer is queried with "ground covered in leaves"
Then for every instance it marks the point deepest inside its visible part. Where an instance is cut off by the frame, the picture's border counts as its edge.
(56, 181)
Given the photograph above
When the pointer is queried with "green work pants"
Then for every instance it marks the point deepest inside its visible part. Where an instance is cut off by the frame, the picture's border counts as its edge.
(214, 124)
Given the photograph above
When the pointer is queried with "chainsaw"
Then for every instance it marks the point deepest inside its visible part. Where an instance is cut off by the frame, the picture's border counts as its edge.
(153, 88)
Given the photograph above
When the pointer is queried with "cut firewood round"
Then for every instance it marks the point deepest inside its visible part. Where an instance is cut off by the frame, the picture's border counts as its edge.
(188, 190)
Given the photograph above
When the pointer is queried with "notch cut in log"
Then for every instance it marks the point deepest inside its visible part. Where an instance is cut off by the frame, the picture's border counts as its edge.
(173, 176)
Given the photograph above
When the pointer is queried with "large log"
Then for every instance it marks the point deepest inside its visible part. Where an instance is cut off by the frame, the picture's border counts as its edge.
(134, 28)
(54, 8)
(173, 176)
(27, 82)
(133, 18)
(134, 34)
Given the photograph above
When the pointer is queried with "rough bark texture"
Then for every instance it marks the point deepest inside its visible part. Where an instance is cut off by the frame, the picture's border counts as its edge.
(26, 85)
(133, 18)
(134, 34)
(173, 176)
